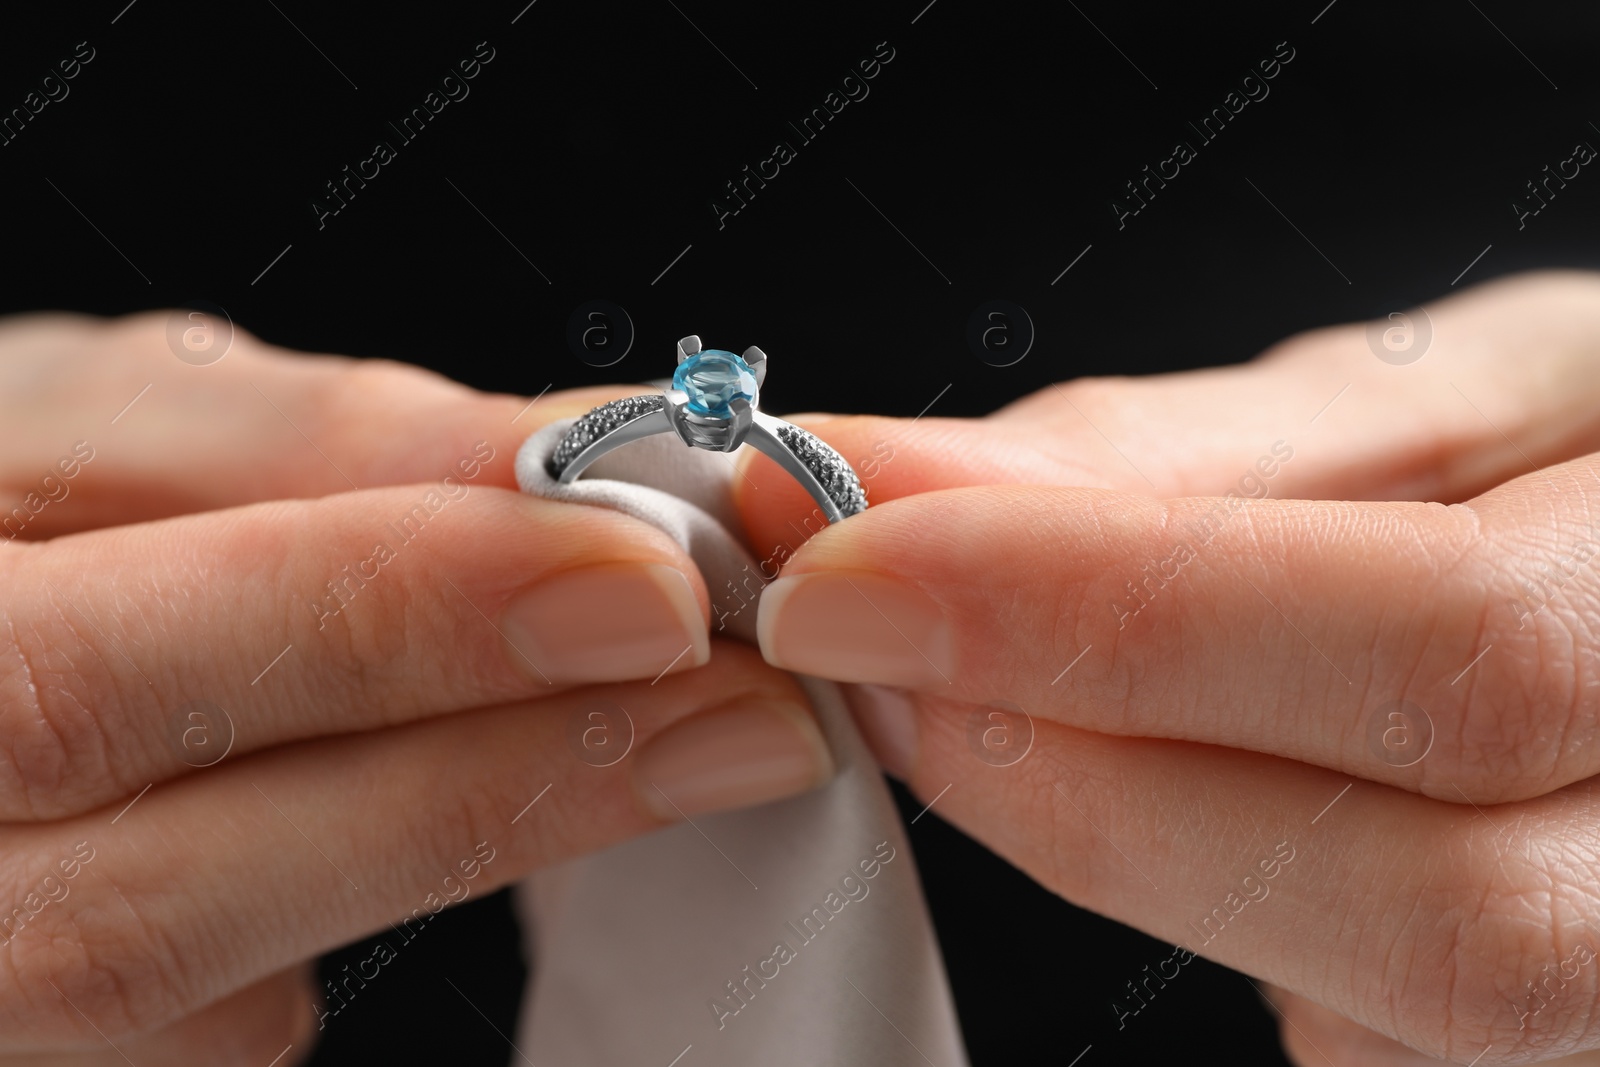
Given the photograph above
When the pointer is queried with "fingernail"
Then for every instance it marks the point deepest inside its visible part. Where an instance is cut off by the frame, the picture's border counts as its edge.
(607, 623)
(736, 756)
(855, 627)
(888, 721)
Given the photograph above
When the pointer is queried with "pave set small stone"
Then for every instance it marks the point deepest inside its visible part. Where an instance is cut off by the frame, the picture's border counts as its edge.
(831, 469)
(712, 382)
(599, 422)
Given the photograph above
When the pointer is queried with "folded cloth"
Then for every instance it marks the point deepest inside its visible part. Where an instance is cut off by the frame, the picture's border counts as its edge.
(790, 934)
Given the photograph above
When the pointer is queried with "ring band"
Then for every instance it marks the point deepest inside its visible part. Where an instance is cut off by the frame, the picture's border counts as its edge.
(713, 405)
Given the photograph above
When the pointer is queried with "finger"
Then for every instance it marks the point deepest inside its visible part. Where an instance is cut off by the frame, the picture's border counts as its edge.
(106, 426)
(288, 853)
(1501, 381)
(272, 1022)
(136, 654)
(1506, 383)
(1313, 1036)
(1446, 927)
(1292, 627)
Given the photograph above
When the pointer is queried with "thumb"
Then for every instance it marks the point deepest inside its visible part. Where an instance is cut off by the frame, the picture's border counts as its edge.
(898, 458)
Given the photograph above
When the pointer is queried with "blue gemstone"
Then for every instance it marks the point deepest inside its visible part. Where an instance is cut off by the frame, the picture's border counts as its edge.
(713, 379)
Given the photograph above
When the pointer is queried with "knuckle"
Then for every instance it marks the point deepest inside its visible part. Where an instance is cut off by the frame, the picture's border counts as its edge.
(1105, 394)
(57, 694)
(1530, 707)
(80, 958)
(1512, 938)
(368, 631)
(365, 589)
(350, 394)
(468, 809)
(144, 333)
(1519, 722)
(140, 334)
(376, 384)
(1320, 345)
(1072, 858)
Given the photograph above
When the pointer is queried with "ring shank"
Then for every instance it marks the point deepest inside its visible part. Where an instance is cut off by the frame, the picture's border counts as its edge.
(822, 472)
(764, 437)
(646, 425)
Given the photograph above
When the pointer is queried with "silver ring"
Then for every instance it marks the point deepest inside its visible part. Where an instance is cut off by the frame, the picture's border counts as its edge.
(712, 404)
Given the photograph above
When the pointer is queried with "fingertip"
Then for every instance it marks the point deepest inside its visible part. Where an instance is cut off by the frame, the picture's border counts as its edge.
(607, 622)
(744, 753)
(855, 626)
(887, 717)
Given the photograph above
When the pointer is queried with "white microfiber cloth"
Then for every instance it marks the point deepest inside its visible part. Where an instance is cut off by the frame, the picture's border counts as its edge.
(749, 937)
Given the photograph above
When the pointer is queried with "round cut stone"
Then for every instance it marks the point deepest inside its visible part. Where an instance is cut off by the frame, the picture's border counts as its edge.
(713, 379)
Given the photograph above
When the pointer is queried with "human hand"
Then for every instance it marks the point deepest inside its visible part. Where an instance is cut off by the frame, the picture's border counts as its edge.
(1341, 739)
(295, 662)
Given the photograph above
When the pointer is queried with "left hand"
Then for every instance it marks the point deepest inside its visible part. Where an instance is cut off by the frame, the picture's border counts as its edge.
(171, 532)
(1207, 671)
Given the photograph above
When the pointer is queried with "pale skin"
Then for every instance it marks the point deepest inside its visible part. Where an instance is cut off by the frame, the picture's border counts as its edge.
(1444, 909)
(1189, 740)
(399, 739)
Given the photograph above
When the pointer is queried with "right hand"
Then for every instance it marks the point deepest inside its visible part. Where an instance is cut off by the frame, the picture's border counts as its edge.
(1214, 645)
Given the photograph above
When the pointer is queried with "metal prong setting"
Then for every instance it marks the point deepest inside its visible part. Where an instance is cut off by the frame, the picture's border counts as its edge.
(822, 472)
(757, 361)
(677, 410)
(739, 425)
(706, 431)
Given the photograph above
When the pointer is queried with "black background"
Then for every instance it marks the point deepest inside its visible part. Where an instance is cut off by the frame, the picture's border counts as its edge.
(184, 163)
